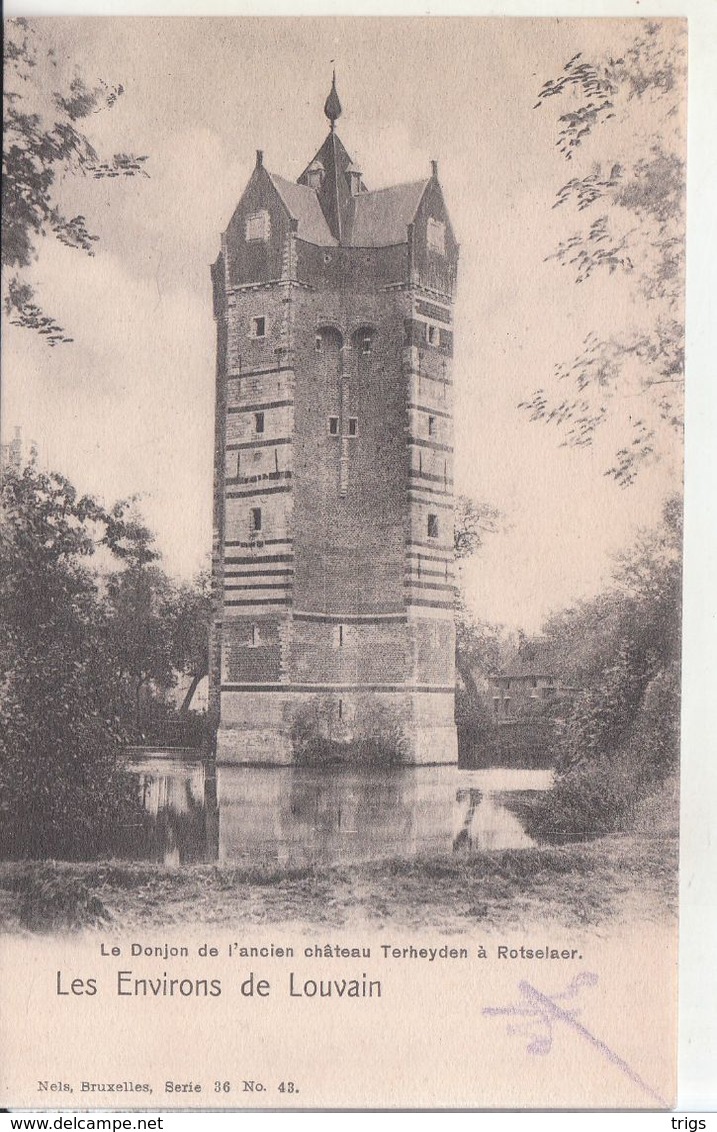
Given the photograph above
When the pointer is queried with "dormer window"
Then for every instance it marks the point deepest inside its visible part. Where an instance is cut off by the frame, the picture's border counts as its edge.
(315, 175)
(258, 226)
(436, 236)
(353, 174)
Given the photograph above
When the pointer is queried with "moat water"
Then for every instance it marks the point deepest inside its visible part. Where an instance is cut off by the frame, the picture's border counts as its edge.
(300, 815)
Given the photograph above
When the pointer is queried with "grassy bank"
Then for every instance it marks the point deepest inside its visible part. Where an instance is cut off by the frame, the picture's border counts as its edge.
(620, 877)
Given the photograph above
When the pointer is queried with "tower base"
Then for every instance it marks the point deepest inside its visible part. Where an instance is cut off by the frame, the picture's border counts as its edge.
(287, 728)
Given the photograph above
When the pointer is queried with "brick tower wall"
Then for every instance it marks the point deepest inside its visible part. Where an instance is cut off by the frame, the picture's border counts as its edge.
(341, 603)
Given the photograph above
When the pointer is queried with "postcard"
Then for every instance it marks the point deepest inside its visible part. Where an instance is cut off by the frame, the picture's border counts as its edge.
(343, 377)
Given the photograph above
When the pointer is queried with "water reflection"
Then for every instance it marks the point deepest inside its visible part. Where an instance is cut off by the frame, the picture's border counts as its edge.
(303, 815)
(487, 824)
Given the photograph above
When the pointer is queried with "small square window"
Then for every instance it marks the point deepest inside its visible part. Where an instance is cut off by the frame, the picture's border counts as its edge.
(432, 526)
(257, 226)
(334, 426)
(255, 520)
(431, 426)
(258, 422)
(366, 344)
(353, 426)
(258, 327)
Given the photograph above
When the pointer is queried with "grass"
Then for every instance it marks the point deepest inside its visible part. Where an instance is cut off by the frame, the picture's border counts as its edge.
(618, 877)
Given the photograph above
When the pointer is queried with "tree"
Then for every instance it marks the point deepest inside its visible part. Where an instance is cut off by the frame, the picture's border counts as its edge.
(62, 790)
(140, 603)
(472, 522)
(42, 142)
(480, 647)
(191, 617)
(630, 207)
(621, 737)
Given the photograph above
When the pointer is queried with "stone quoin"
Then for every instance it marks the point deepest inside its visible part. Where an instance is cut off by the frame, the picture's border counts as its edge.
(333, 563)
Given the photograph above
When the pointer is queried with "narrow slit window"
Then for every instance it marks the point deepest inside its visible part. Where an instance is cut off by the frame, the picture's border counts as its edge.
(318, 343)
(353, 426)
(436, 235)
(255, 520)
(334, 426)
(341, 635)
(253, 635)
(366, 344)
(432, 526)
(258, 422)
(341, 709)
(431, 426)
(258, 327)
(432, 335)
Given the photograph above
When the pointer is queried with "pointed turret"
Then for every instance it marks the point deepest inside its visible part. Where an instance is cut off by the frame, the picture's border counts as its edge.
(339, 179)
(332, 106)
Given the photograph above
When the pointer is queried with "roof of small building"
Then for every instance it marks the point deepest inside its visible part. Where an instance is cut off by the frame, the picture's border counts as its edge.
(533, 659)
(303, 206)
(528, 672)
(381, 218)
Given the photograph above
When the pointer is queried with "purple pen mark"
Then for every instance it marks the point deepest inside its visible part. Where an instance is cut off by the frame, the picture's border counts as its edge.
(542, 1012)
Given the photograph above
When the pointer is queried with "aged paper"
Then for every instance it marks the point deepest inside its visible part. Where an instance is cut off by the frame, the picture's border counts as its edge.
(412, 840)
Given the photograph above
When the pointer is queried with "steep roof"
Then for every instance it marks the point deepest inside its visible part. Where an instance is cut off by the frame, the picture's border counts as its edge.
(524, 669)
(303, 206)
(533, 658)
(381, 218)
(334, 194)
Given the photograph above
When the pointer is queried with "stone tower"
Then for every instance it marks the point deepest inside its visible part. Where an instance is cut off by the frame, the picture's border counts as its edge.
(333, 491)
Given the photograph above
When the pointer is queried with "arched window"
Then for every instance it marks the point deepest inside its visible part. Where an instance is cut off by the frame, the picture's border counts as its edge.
(363, 341)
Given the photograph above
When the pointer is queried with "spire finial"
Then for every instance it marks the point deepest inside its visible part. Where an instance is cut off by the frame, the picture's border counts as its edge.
(332, 106)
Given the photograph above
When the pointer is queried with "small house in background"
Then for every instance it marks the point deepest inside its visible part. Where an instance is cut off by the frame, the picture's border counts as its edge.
(528, 684)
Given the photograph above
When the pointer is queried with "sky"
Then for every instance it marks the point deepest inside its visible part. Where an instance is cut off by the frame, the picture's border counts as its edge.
(127, 408)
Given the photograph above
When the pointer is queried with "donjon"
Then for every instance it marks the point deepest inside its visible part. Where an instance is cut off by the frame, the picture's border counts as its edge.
(333, 564)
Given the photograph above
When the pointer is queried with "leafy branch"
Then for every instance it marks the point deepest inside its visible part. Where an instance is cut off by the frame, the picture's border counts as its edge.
(638, 233)
(37, 149)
